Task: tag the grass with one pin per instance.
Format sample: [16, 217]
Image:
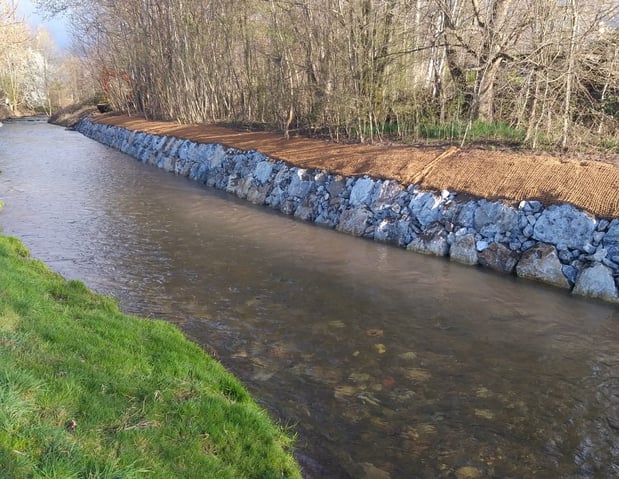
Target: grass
[479, 132]
[89, 392]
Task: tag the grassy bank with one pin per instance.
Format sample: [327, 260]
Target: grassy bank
[86, 391]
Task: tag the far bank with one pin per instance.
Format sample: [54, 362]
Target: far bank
[554, 242]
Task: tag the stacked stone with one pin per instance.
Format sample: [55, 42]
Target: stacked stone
[558, 245]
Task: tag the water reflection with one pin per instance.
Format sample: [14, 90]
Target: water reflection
[387, 363]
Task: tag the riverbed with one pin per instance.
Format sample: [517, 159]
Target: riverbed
[387, 364]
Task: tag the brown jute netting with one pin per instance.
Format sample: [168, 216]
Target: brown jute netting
[589, 185]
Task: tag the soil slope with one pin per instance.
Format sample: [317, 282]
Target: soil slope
[589, 185]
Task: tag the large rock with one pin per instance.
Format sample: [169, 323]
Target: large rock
[262, 172]
[432, 241]
[300, 183]
[216, 156]
[597, 282]
[564, 226]
[610, 241]
[426, 208]
[541, 263]
[466, 215]
[493, 217]
[386, 195]
[499, 258]
[355, 221]
[361, 192]
[463, 249]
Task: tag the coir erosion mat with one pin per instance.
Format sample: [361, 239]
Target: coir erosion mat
[496, 175]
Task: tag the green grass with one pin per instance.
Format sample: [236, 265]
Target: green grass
[479, 132]
[89, 392]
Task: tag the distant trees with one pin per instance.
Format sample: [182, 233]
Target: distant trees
[546, 70]
[33, 75]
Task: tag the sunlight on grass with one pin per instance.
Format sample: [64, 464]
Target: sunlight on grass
[86, 391]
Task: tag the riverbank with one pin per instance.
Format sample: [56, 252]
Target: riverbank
[88, 391]
[553, 242]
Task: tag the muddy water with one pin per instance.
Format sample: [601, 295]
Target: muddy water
[387, 364]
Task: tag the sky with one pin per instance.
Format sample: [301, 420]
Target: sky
[57, 26]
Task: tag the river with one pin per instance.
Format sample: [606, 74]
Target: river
[387, 364]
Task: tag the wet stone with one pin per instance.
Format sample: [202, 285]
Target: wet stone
[498, 258]
[597, 282]
[463, 249]
[433, 241]
[541, 263]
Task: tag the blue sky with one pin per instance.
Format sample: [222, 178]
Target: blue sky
[56, 26]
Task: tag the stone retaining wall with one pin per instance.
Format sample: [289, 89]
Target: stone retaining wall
[559, 245]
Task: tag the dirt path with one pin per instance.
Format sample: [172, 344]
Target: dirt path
[590, 185]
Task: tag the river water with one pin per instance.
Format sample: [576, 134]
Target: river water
[387, 364]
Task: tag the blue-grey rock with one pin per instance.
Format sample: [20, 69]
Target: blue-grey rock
[337, 186]
[426, 208]
[493, 217]
[564, 225]
[597, 237]
[528, 231]
[466, 215]
[541, 263]
[597, 282]
[257, 194]
[515, 245]
[565, 255]
[464, 249]
[386, 195]
[530, 206]
[263, 171]
[307, 210]
[405, 232]
[481, 245]
[386, 231]
[300, 183]
[603, 225]
[570, 273]
[588, 248]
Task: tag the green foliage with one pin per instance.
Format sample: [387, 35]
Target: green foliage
[479, 131]
[86, 391]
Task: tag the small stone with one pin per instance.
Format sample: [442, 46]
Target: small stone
[597, 237]
[570, 273]
[481, 245]
[565, 255]
[602, 225]
[589, 248]
[600, 254]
